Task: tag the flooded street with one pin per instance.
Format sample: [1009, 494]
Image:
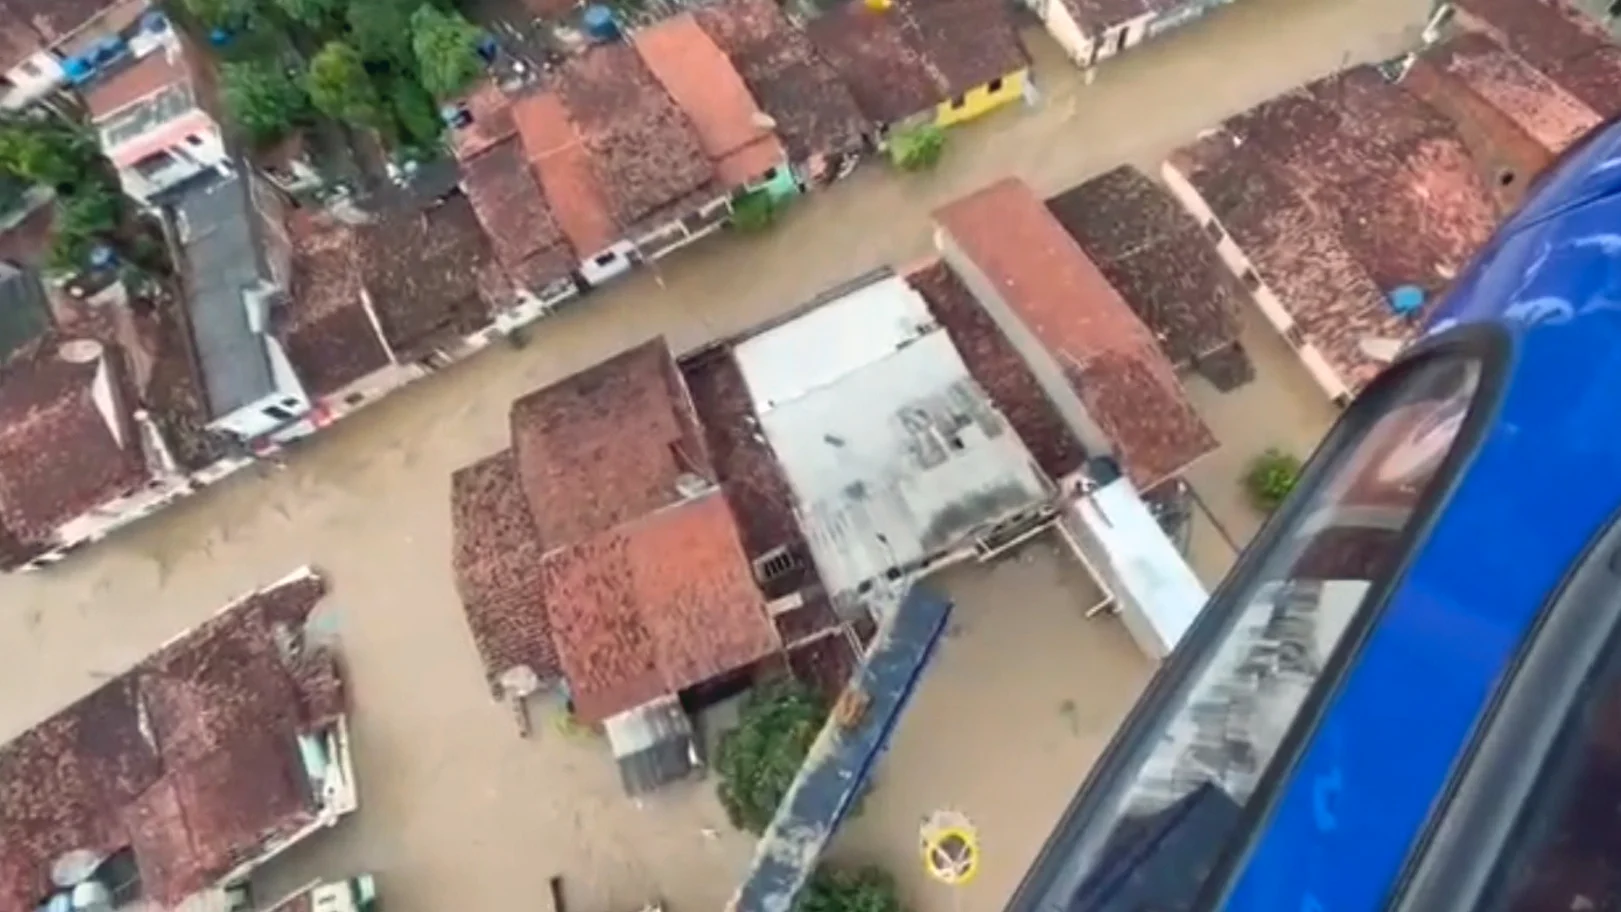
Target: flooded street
[456, 810]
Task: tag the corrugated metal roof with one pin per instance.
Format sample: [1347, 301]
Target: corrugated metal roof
[652, 744]
[842, 757]
[222, 261]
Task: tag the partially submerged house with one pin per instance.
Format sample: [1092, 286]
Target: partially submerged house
[937, 62]
[1103, 372]
[599, 555]
[1092, 31]
[1446, 141]
[170, 783]
[897, 460]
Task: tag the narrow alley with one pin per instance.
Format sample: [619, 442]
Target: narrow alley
[456, 811]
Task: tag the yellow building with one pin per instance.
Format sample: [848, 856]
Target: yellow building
[982, 99]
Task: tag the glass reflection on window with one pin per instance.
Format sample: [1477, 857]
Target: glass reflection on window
[1169, 823]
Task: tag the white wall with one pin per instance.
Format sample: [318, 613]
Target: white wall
[32, 79]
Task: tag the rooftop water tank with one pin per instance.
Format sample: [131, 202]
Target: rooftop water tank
[77, 69]
[599, 23]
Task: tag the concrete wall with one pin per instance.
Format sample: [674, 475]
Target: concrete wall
[981, 100]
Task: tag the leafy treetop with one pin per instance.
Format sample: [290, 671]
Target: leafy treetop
[864, 889]
[758, 760]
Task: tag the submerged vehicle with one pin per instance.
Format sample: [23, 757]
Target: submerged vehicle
[1407, 693]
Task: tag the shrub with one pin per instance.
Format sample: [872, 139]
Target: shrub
[917, 149]
[264, 99]
[754, 211]
[1271, 476]
[758, 760]
[865, 889]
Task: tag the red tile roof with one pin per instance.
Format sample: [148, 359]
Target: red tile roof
[1531, 100]
[654, 606]
[508, 202]
[812, 108]
[891, 78]
[1157, 257]
[60, 455]
[607, 444]
[138, 80]
[1108, 355]
[1094, 17]
[329, 336]
[996, 365]
[422, 270]
[692, 68]
[652, 166]
[492, 115]
[1556, 38]
[567, 173]
[190, 759]
[496, 556]
[969, 42]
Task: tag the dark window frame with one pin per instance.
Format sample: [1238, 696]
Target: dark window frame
[1053, 877]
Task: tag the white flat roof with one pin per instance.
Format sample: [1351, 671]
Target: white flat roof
[893, 452]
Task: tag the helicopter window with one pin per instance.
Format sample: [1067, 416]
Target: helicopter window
[1167, 801]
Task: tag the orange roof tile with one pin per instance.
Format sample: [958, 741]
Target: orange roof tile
[655, 606]
[1110, 358]
[563, 165]
[701, 79]
[145, 77]
[509, 204]
[608, 444]
[1531, 100]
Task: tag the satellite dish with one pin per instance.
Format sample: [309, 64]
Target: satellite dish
[74, 868]
[1381, 349]
[79, 351]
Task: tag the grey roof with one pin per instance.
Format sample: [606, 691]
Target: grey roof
[842, 758]
[222, 259]
[24, 313]
[652, 745]
[894, 454]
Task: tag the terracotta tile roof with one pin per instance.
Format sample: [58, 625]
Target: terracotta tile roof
[969, 42]
[731, 129]
[747, 468]
[607, 444]
[493, 122]
[1561, 41]
[190, 759]
[996, 365]
[654, 606]
[567, 173]
[329, 337]
[508, 202]
[134, 82]
[1317, 279]
[421, 271]
[496, 556]
[890, 77]
[59, 456]
[812, 108]
[1532, 101]
[1108, 355]
[1157, 257]
[651, 163]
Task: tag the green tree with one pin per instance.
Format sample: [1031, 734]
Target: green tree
[415, 111]
[323, 17]
[917, 149]
[49, 152]
[381, 31]
[340, 88]
[1271, 476]
[264, 99]
[758, 760]
[82, 220]
[446, 49]
[865, 889]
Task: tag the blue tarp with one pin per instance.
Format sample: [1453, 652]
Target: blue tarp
[842, 759]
